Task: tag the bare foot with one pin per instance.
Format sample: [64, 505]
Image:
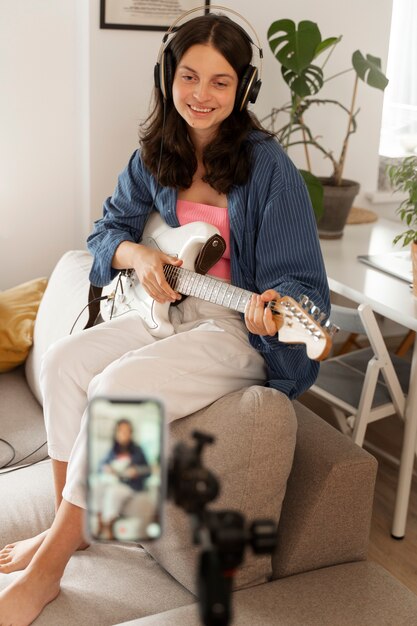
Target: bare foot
[17, 556]
[21, 603]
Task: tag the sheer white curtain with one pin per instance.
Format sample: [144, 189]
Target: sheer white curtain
[399, 118]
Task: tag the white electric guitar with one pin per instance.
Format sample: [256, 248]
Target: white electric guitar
[296, 322]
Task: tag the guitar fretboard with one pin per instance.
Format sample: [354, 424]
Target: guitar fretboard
[207, 288]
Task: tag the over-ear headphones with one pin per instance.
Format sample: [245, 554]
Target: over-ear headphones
[164, 70]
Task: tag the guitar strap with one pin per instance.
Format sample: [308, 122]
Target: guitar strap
[210, 253]
[94, 299]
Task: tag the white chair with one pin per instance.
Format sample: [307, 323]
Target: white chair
[365, 385]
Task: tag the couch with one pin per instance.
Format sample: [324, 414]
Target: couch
[274, 458]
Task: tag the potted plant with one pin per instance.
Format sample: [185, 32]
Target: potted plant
[296, 48]
[403, 177]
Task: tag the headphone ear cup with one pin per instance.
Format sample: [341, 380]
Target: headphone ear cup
[167, 72]
[248, 88]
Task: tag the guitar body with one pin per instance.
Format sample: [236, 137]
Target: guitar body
[184, 242]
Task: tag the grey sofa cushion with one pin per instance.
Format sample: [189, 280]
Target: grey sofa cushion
[327, 511]
[21, 420]
[344, 595]
[27, 502]
[106, 584]
[255, 431]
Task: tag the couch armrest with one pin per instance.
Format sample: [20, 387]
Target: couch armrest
[326, 514]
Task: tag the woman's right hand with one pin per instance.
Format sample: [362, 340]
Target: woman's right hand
[148, 264]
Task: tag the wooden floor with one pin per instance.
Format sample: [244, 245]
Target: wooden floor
[397, 556]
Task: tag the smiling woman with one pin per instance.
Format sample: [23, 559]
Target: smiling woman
[203, 157]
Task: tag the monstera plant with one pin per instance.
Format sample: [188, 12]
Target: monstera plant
[303, 56]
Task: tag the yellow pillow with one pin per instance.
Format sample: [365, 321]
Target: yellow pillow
[18, 309]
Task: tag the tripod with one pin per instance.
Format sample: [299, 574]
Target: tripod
[223, 535]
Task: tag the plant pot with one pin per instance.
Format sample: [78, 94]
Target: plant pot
[337, 202]
[414, 264]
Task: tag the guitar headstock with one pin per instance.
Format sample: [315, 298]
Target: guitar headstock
[303, 322]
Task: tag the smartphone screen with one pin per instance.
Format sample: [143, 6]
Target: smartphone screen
[126, 477]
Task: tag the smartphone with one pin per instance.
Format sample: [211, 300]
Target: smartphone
[126, 469]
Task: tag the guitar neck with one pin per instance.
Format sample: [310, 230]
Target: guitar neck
[207, 288]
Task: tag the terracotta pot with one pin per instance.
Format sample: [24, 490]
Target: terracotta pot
[414, 263]
[337, 201]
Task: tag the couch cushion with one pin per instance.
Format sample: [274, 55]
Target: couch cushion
[21, 420]
[64, 299]
[106, 584]
[27, 502]
[327, 511]
[255, 431]
[18, 308]
[344, 595]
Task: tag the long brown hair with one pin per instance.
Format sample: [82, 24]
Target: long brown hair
[227, 158]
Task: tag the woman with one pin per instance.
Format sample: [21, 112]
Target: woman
[127, 468]
[211, 161]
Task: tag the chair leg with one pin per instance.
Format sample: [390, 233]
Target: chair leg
[406, 343]
[341, 419]
[349, 344]
[365, 403]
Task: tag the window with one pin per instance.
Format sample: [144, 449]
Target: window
[399, 117]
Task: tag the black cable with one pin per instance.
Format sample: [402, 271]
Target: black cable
[15, 469]
[84, 308]
[8, 464]
[28, 455]
[13, 453]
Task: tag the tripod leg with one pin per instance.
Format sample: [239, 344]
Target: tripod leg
[214, 590]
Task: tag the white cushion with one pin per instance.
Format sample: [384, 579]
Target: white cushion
[64, 298]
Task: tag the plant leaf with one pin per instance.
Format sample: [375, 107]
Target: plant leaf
[305, 83]
[369, 70]
[315, 191]
[296, 47]
[326, 43]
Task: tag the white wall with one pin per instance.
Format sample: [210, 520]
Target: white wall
[37, 102]
[73, 96]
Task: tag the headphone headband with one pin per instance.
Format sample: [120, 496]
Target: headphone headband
[207, 8]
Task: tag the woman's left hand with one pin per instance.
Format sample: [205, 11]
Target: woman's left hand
[258, 317]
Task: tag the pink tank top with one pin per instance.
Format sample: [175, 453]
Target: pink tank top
[188, 211]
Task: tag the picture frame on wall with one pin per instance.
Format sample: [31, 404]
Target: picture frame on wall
[146, 14]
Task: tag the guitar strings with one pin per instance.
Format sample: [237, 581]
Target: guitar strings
[173, 275]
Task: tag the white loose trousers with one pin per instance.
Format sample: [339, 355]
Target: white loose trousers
[207, 357]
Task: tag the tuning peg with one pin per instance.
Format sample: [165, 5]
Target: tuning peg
[331, 328]
[315, 312]
[305, 302]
